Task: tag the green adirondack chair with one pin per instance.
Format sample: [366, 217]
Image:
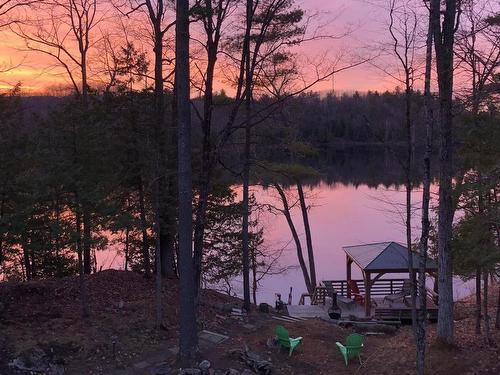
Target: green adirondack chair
[352, 348]
[286, 341]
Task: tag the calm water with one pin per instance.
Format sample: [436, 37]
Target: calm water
[341, 215]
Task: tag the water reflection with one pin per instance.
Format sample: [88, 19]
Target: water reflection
[358, 199]
[341, 215]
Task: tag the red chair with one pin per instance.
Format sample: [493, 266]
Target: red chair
[353, 287]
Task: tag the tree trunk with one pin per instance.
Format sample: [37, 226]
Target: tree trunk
[146, 262]
[158, 259]
[478, 301]
[81, 277]
[127, 243]
[206, 153]
[254, 276]
[443, 42]
[199, 232]
[420, 332]
[167, 239]
[87, 258]
[165, 218]
[188, 338]
[57, 234]
[298, 246]
[246, 166]
[167, 248]
[307, 228]
[33, 262]
[161, 216]
[497, 320]
[409, 153]
[486, 315]
[167, 214]
[26, 257]
[2, 203]
[246, 214]
[1, 251]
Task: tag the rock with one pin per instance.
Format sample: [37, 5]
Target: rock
[223, 307]
[231, 371]
[162, 369]
[212, 337]
[253, 360]
[141, 365]
[247, 372]
[55, 369]
[173, 350]
[272, 343]
[204, 365]
[190, 371]
[33, 359]
[250, 327]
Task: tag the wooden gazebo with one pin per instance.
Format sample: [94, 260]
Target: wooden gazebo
[378, 259]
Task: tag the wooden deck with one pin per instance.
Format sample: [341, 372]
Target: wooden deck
[381, 309]
[385, 310]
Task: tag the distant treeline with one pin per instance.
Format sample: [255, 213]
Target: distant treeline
[321, 119]
[371, 118]
[70, 174]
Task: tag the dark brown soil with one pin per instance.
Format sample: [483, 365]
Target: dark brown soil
[47, 314]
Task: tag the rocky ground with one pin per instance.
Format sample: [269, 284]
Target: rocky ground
[41, 328]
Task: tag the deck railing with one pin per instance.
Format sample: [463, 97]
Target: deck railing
[381, 287]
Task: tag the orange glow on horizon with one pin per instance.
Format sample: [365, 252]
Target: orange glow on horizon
[38, 72]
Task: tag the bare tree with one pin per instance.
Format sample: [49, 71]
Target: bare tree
[63, 30]
[286, 211]
[9, 10]
[307, 228]
[163, 201]
[213, 15]
[478, 52]
[267, 40]
[406, 29]
[277, 26]
[444, 25]
[157, 13]
[420, 331]
[250, 12]
[188, 337]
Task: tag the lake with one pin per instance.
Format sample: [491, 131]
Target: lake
[340, 215]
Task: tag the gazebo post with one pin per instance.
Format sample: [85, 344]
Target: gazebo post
[368, 286]
[348, 274]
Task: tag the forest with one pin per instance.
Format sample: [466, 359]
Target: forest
[171, 112]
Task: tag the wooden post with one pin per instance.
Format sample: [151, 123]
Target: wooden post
[348, 274]
[368, 286]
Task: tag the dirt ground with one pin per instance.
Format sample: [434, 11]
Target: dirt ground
[120, 332]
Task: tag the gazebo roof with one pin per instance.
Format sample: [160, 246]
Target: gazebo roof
[385, 257]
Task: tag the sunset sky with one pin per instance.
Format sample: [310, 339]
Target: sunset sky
[366, 20]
